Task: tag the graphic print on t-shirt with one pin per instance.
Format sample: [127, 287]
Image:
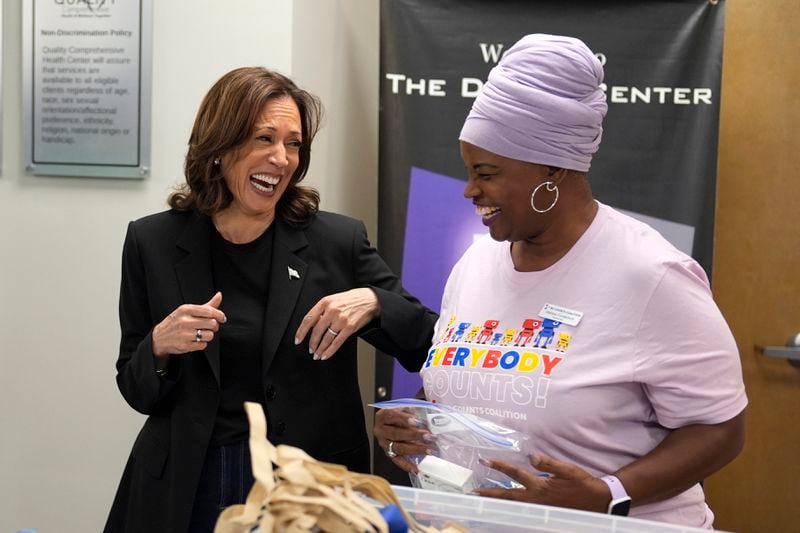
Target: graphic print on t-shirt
[501, 365]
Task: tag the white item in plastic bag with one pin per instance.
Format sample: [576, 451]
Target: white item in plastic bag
[437, 474]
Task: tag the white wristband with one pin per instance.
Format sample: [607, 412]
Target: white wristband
[620, 501]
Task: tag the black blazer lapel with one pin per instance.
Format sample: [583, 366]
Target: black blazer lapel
[286, 280]
[194, 275]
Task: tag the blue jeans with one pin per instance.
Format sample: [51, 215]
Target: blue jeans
[226, 479]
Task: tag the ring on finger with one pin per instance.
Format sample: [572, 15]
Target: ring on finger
[198, 337]
[332, 333]
[390, 451]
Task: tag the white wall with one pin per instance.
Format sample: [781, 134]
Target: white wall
[66, 431]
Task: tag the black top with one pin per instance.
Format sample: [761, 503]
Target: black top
[241, 272]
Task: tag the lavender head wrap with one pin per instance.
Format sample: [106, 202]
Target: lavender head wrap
[542, 103]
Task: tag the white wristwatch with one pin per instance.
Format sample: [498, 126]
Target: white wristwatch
[620, 503]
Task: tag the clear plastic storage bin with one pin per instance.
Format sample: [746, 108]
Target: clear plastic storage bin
[486, 515]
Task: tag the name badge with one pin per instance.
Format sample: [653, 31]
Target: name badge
[561, 314]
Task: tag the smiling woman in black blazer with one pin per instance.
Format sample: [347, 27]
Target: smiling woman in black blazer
[243, 291]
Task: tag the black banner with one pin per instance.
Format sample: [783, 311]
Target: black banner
[657, 160]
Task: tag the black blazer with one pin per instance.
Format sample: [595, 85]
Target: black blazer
[314, 405]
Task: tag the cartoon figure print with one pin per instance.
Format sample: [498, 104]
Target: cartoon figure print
[508, 337]
[473, 331]
[546, 334]
[448, 330]
[496, 338]
[563, 342]
[487, 331]
[462, 328]
[529, 326]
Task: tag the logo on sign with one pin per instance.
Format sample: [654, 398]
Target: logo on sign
[84, 8]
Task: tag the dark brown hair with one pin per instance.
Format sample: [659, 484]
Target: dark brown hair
[226, 120]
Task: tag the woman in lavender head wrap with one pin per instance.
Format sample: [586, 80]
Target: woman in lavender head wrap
[592, 334]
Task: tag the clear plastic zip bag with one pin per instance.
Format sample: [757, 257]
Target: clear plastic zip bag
[463, 443]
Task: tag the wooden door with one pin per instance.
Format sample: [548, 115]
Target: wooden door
[756, 277]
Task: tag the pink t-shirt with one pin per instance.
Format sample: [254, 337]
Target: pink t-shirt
[596, 357]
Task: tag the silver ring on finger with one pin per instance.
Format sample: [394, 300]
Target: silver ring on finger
[332, 333]
[198, 337]
[389, 451]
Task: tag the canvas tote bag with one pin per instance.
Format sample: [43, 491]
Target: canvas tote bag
[294, 493]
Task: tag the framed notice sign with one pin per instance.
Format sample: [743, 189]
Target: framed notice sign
[86, 87]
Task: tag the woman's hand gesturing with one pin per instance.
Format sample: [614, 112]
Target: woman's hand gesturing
[188, 328]
[334, 318]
